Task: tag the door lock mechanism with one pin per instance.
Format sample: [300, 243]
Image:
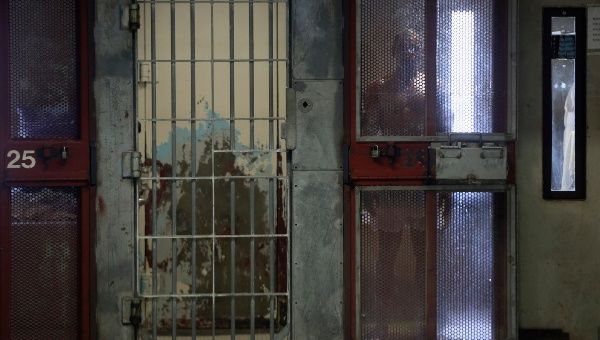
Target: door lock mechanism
[391, 152]
[47, 153]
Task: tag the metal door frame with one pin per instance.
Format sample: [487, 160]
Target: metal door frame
[79, 173]
[359, 174]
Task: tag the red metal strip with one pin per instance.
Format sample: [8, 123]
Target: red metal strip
[4, 262]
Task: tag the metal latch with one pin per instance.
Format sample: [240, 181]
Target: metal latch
[471, 163]
[131, 164]
[130, 17]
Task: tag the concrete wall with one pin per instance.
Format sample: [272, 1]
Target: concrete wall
[558, 241]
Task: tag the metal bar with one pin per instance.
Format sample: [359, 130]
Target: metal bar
[211, 120]
[219, 295]
[154, 170]
[232, 140]
[232, 256]
[212, 147]
[271, 210]
[208, 237]
[210, 177]
[212, 1]
[252, 181]
[173, 183]
[219, 60]
[193, 146]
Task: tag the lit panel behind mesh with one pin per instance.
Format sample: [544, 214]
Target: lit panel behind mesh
[44, 273]
[465, 66]
[465, 265]
[392, 280]
[44, 101]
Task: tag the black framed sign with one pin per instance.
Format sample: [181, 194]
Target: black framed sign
[564, 106]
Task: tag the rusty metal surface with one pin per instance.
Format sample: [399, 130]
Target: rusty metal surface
[113, 99]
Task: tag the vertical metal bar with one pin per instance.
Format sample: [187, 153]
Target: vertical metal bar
[136, 183]
[232, 146]
[154, 168]
[232, 75]
[431, 67]
[173, 173]
[193, 146]
[271, 212]
[232, 255]
[252, 181]
[212, 154]
[252, 261]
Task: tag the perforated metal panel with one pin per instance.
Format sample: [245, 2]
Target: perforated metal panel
[44, 273]
[392, 68]
[466, 244]
[392, 279]
[465, 46]
[44, 69]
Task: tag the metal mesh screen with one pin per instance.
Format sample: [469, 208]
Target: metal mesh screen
[392, 68]
[465, 65]
[392, 279]
[466, 237]
[44, 273]
[213, 243]
[44, 101]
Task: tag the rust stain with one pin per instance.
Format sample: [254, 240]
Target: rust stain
[101, 205]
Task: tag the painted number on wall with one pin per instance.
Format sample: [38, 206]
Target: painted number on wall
[17, 160]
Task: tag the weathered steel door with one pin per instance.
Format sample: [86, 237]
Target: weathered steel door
[429, 176]
[45, 173]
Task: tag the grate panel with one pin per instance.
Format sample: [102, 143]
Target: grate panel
[392, 280]
[213, 242]
[44, 274]
[465, 63]
[466, 275]
[392, 64]
[44, 100]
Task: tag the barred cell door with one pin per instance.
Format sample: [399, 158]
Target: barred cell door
[430, 172]
[212, 238]
[45, 173]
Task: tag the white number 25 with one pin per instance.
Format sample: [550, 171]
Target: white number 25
[27, 161]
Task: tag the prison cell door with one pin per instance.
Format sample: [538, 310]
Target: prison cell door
[428, 190]
[45, 173]
[212, 239]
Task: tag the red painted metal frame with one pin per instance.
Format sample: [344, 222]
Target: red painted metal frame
[412, 167]
[75, 172]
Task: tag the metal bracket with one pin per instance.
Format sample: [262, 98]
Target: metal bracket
[472, 163]
[130, 17]
[131, 164]
[289, 127]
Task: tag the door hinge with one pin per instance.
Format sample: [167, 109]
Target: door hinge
[288, 128]
[131, 164]
[130, 18]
